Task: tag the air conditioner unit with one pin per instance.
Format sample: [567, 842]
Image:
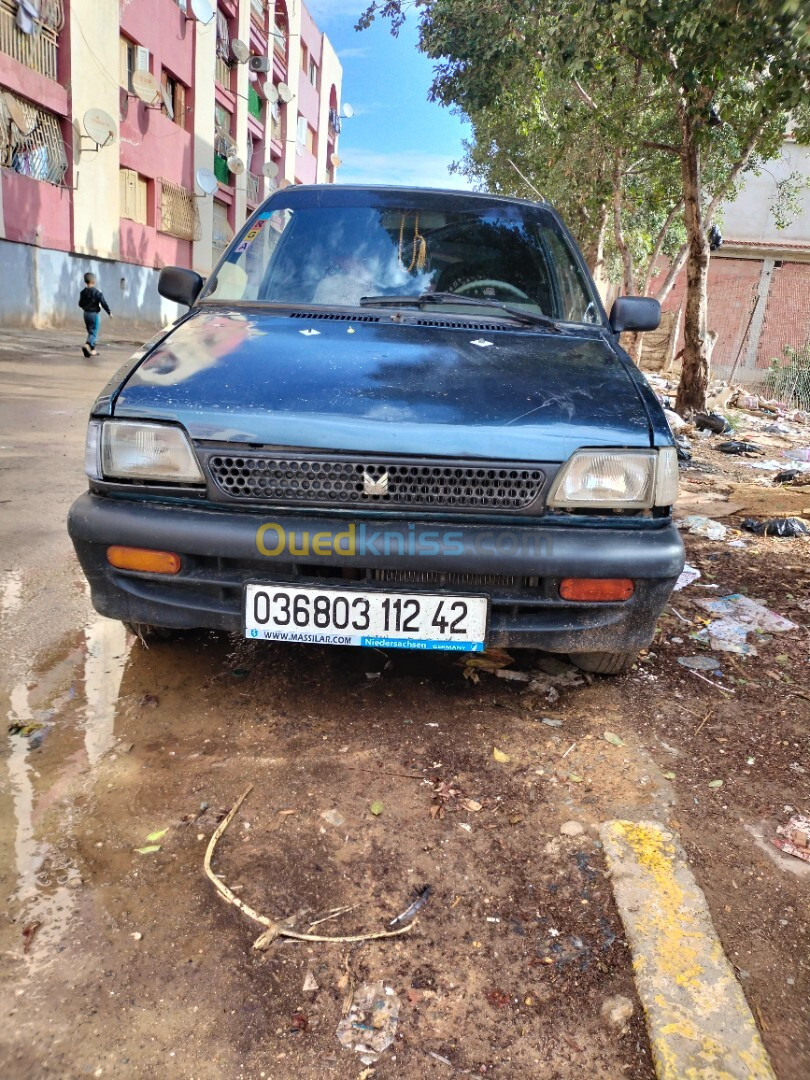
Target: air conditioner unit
[259, 63]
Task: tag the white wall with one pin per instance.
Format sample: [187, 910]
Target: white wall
[40, 287]
[749, 217]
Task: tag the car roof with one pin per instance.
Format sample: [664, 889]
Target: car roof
[400, 189]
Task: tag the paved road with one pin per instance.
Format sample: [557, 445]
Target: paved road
[126, 964]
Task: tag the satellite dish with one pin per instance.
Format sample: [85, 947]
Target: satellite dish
[167, 102]
[270, 170]
[236, 165]
[19, 115]
[271, 92]
[348, 111]
[285, 93]
[206, 181]
[146, 88]
[100, 127]
[336, 161]
[240, 50]
[202, 11]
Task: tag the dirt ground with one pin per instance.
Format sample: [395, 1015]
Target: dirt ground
[128, 964]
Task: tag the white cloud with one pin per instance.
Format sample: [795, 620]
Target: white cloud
[325, 11]
[409, 168]
[355, 53]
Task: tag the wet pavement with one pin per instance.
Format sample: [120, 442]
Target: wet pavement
[127, 964]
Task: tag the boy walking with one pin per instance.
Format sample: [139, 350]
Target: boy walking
[91, 301]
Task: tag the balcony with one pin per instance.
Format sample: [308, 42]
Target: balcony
[36, 51]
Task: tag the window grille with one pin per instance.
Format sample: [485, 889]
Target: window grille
[178, 212]
[223, 233]
[38, 50]
[36, 148]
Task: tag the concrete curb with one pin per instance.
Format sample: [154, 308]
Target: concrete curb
[699, 1023]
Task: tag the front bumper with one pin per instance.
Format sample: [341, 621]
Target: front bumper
[518, 566]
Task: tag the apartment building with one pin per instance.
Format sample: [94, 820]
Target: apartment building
[115, 118]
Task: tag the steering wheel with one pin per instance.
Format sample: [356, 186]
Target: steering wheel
[492, 283]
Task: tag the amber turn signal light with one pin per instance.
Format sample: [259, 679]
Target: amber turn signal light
[143, 559]
[576, 588]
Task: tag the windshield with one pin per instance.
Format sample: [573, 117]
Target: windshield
[334, 255]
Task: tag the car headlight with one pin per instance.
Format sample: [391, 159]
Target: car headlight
[135, 450]
[617, 480]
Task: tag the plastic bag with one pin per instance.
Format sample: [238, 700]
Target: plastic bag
[785, 527]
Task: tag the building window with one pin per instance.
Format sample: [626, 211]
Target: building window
[132, 58]
[223, 233]
[37, 50]
[223, 60]
[174, 98]
[134, 194]
[313, 73]
[304, 57]
[178, 212]
[31, 140]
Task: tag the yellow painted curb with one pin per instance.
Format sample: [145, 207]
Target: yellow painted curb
[699, 1023]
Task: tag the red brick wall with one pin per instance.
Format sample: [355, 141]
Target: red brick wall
[787, 316]
[733, 285]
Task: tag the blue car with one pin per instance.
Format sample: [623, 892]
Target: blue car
[391, 417]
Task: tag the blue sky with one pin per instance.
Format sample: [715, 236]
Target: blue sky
[396, 135]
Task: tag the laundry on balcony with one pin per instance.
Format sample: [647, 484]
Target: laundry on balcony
[31, 140]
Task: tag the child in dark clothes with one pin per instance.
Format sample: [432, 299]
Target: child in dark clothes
[91, 301]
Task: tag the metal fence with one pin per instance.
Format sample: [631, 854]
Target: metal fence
[178, 212]
[31, 140]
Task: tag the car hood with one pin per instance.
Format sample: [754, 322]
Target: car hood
[377, 385]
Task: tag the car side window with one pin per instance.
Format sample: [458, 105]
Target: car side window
[573, 291]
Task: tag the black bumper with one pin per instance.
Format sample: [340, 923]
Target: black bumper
[518, 567]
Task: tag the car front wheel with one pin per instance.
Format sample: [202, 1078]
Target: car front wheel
[604, 663]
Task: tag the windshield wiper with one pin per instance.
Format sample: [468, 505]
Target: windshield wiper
[453, 298]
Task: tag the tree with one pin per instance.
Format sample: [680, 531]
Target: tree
[723, 78]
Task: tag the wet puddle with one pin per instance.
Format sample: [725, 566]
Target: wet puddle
[60, 723]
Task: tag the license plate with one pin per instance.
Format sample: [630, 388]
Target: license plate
[354, 617]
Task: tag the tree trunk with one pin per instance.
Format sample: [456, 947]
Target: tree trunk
[595, 254]
[618, 230]
[691, 395]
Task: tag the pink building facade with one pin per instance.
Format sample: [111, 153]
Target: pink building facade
[246, 90]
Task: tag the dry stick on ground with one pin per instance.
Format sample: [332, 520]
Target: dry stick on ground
[274, 928]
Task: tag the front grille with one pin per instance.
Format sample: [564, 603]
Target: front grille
[437, 577]
[261, 477]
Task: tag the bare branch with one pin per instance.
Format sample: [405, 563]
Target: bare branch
[667, 147]
[585, 96]
[674, 270]
[739, 165]
[659, 243]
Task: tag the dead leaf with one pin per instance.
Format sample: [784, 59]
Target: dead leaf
[472, 805]
[376, 808]
[715, 783]
[575, 778]
[153, 836]
[500, 756]
[614, 740]
[149, 849]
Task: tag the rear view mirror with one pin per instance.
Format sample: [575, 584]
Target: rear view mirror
[635, 313]
[182, 286]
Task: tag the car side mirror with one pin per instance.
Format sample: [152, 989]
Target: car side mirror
[638, 313]
[182, 286]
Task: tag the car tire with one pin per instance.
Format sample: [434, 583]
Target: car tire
[146, 632]
[604, 663]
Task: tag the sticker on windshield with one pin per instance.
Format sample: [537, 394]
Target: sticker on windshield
[252, 233]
